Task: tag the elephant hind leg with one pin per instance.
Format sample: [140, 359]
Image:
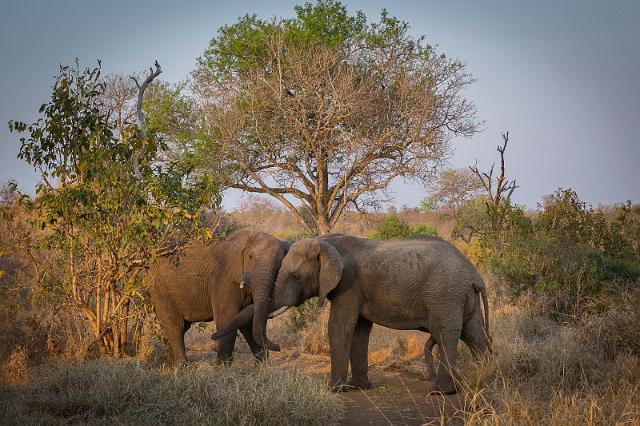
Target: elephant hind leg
[447, 341]
[430, 369]
[173, 326]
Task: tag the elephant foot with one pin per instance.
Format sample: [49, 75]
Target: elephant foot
[339, 385]
[178, 364]
[273, 346]
[359, 384]
[262, 356]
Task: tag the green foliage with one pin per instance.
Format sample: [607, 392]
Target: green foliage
[392, 227]
[107, 223]
[493, 224]
[568, 257]
[301, 316]
[243, 47]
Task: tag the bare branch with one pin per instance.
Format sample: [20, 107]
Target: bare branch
[140, 114]
[504, 187]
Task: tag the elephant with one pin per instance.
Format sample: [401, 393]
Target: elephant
[417, 283]
[204, 283]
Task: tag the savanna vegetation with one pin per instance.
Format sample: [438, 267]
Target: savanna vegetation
[314, 115]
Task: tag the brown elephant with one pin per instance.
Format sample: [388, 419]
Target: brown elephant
[203, 284]
[418, 283]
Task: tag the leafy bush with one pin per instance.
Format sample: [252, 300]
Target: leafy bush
[392, 227]
[568, 257]
[110, 202]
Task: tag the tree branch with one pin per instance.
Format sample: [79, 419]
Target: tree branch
[140, 114]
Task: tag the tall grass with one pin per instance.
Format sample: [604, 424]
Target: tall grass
[125, 392]
[545, 373]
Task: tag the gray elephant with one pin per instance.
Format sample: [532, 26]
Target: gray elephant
[418, 283]
[203, 284]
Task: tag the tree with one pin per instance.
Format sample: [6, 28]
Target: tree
[108, 204]
[503, 188]
[498, 193]
[452, 189]
[322, 111]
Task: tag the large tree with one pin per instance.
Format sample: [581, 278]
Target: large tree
[322, 111]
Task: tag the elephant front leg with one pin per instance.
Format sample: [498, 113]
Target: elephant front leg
[342, 323]
[359, 352]
[226, 343]
[259, 353]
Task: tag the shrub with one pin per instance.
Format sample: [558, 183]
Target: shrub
[16, 368]
[567, 258]
[301, 316]
[541, 372]
[392, 227]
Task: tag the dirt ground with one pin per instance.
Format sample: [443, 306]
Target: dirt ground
[400, 394]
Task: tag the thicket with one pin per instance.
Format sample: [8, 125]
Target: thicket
[568, 257]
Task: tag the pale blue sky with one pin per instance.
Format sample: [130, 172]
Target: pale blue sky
[561, 76]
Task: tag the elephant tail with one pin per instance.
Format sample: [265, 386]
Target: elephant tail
[485, 304]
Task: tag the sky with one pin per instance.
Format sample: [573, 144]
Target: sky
[563, 77]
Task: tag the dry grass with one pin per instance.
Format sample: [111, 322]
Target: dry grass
[125, 392]
[314, 338]
[545, 373]
[15, 370]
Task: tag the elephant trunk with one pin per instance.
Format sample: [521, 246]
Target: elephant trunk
[261, 293]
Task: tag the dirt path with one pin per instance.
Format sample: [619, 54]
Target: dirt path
[397, 398]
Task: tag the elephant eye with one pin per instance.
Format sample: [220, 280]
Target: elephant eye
[295, 277]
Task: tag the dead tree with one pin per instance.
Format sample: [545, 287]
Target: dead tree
[498, 189]
[503, 187]
[140, 114]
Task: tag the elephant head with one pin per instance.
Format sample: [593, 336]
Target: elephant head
[261, 257]
[310, 268]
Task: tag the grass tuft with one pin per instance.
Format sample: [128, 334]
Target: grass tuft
[126, 392]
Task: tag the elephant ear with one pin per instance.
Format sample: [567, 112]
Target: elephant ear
[244, 237]
[330, 270]
[240, 241]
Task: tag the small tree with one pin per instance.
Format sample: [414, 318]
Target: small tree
[322, 111]
[106, 204]
[451, 190]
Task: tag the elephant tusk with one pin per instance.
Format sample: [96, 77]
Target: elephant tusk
[278, 312]
[242, 284]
